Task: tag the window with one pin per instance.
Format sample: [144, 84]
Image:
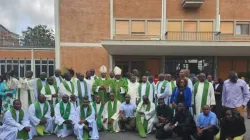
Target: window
[242, 28]
[154, 27]
[122, 27]
[174, 30]
[138, 27]
[227, 28]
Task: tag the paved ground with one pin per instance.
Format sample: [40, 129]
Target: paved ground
[129, 135]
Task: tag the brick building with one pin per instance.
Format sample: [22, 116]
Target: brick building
[156, 35]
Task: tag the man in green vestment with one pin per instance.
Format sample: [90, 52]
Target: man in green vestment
[99, 107]
[41, 82]
[83, 89]
[172, 84]
[16, 124]
[101, 85]
[111, 75]
[118, 86]
[57, 78]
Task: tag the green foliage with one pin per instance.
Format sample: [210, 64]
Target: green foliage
[40, 35]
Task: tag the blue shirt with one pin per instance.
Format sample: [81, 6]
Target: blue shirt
[205, 121]
[128, 109]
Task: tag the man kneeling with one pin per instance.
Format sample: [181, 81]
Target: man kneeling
[16, 123]
[40, 117]
[85, 124]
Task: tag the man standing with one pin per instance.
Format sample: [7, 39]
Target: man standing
[136, 74]
[152, 83]
[64, 116]
[93, 76]
[101, 85]
[145, 116]
[118, 86]
[41, 82]
[57, 78]
[133, 89]
[172, 84]
[127, 114]
[210, 79]
[235, 93]
[89, 81]
[112, 75]
[111, 114]
[40, 117]
[128, 77]
[16, 123]
[26, 90]
[203, 94]
[145, 88]
[83, 89]
[72, 76]
[184, 73]
[99, 107]
[84, 124]
[67, 87]
[162, 89]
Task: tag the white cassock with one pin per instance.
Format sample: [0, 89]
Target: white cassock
[90, 82]
[10, 127]
[149, 115]
[24, 86]
[49, 97]
[35, 121]
[132, 91]
[58, 82]
[115, 117]
[62, 90]
[165, 94]
[59, 121]
[78, 128]
[143, 92]
[198, 98]
[83, 91]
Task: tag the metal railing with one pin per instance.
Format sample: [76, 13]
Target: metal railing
[192, 1]
[15, 43]
[171, 35]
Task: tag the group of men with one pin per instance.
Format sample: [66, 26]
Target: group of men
[84, 105]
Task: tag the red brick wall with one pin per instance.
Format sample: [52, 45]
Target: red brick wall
[235, 9]
[21, 54]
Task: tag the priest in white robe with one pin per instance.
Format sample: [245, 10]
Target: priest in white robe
[90, 81]
[68, 88]
[57, 78]
[152, 83]
[40, 83]
[145, 88]
[111, 114]
[40, 117]
[82, 88]
[98, 107]
[133, 89]
[85, 124]
[16, 124]
[64, 117]
[162, 89]
[203, 94]
[145, 116]
[172, 85]
[26, 90]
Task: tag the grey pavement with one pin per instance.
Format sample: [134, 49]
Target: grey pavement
[129, 135]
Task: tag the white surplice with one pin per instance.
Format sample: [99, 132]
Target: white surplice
[62, 90]
[132, 91]
[165, 94]
[90, 82]
[78, 128]
[58, 82]
[35, 121]
[115, 117]
[199, 94]
[10, 127]
[83, 90]
[49, 97]
[24, 86]
[143, 92]
[59, 121]
[149, 115]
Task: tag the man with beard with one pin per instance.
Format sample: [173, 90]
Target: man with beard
[162, 89]
[145, 88]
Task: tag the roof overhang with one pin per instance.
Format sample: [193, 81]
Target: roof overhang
[188, 48]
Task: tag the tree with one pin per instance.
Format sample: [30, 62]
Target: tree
[40, 35]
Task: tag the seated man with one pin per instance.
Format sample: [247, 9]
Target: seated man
[206, 124]
[64, 116]
[98, 107]
[40, 117]
[85, 125]
[16, 123]
[145, 116]
[182, 124]
[127, 114]
[232, 126]
[164, 117]
[111, 114]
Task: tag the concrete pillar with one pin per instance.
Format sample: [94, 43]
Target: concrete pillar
[57, 33]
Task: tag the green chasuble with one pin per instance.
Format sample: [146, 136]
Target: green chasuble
[79, 89]
[21, 134]
[102, 92]
[98, 114]
[116, 85]
[204, 94]
[147, 91]
[72, 91]
[65, 113]
[83, 117]
[163, 86]
[39, 115]
[39, 86]
[142, 127]
[48, 92]
[29, 96]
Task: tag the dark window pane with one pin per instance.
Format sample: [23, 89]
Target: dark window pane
[51, 61]
[28, 61]
[2, 61]
[9, 61]
[28, 67]
[9, 67]
[21, 61]
[2, 69]
[21, 70]
[37, 61]
[44, 68]
[44, 61]
[37, 69]
[51, 70]
[15, 61]
[15, 68]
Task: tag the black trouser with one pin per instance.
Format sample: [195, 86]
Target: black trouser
[208, 134]
[184, 131]
[248, 104]
[160, 133]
